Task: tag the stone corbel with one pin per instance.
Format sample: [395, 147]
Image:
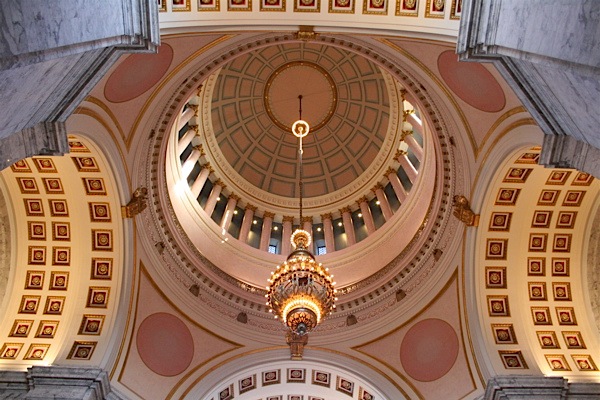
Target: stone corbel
[137, 204]
[463, 212]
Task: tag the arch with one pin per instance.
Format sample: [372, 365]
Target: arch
[321, 374]
[526, 289]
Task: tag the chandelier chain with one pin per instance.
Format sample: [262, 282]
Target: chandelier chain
[301, 291]
[300, 151]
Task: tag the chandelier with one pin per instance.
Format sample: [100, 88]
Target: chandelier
[301, 291]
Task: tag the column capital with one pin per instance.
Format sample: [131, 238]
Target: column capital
[391, 170]
[288, 218]
[234, 197]
[362, 200]
[405, 133]
[250, 207]
[307, 219]
[406, 113]
[326, 216]
[200, 148]
[400, 153]
[268, 214]
[344, 210]
[208, 167]
[195, 108]
[375, 188]
[220, 183]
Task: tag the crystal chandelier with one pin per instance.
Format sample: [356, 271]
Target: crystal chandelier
[301, 291]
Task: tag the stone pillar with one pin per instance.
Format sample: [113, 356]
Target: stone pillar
[526, 387]
[561, 151]
[189, 163]
[348, 226]
[383, 201]
[307, 224]
[68, 383]
[265, 234]
[201, 179]
[406, 165]
[536, 387]
[64, 65]
[247, 222]
[229, 209]
[286, 234]
[186, 139]
[328, 232]
[363, 203]
[415, 123]
[392, 175]
[212, 198]
[187, 115]
[549, 68]
[407, 136]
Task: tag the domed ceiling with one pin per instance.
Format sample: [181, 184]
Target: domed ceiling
[345, 101]
[367, 153]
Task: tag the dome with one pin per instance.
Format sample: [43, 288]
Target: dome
[371, 164]
[254, 102]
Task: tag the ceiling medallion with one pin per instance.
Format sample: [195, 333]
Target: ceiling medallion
[320, 93]
[301, 291]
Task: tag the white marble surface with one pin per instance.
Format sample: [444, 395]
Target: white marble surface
[66, 383]
[593, 270]
[571, 99]
[539, 387]
[52, 52]
[32, 27]
[549, 51]
[24, 91]
[562, 30]
[5, 249]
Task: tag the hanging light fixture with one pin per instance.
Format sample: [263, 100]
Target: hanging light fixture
[301, 291]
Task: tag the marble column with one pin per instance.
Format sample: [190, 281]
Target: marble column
[406, 165]
[68, 383]
[218, 186]
[187, 115]
[201, 179]
[407, 135]
[327, 220]
[523, 387]
[247, 222]
[52, 57]
[551, 67]
[561, 151]
[415, 123]
[383, 201]
[229, 209]
[186, 139]
[392, 175]
[286, 234]
[348, 226]
[265, 234]
[307, 224]
[363, 203]
[189, 163]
